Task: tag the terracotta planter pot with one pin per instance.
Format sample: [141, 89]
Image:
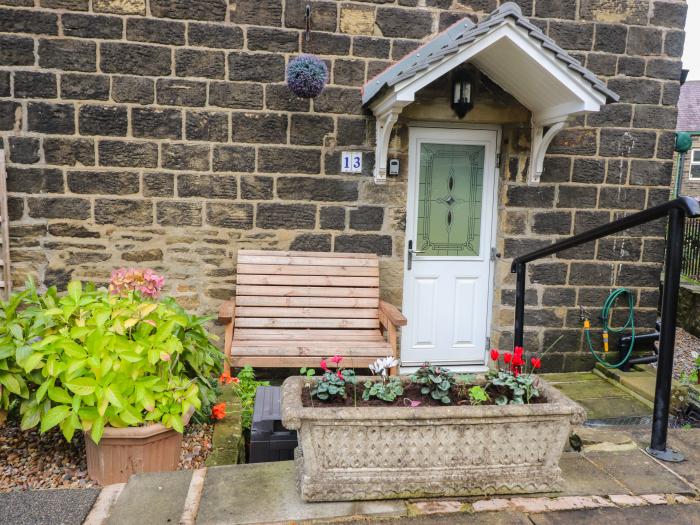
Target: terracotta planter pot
[126, 451]
[399, 452]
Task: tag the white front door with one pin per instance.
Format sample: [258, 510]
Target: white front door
[450, 225]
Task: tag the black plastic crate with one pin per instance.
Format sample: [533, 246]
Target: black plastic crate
[269, 440]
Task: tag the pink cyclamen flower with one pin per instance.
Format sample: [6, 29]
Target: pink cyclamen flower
[323, 364]
[340, 375]
[337, 359]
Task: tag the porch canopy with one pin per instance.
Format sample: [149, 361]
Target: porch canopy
[515, 54]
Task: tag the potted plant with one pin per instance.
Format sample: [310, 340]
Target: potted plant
[430, 434]
[125, 368]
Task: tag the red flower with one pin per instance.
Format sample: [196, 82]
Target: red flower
[337, 359]
[536, 362]
[507, 357]
[340, 375]
[225, 378]
[516, 372]
[494, 354]
[518, 351]
[518, 360]
[218, 411]
[235, 380]
[324, 365]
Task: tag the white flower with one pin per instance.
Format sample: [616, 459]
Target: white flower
[381, 365]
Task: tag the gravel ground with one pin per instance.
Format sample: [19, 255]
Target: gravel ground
[683, 359]
[29, 460]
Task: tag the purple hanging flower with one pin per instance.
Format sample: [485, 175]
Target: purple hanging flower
[306, 76]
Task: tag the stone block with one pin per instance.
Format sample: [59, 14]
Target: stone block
[236, 216]
[128, 154]
[530, 196]
[51, 118]
[551, 223]
[326, 44]
[264, 128]
[257, 12]
[34, 180]
[28, 21]
[311, 242]
[271, 216]
[255, 187]
[179, 213]
[548, 273]
[371, 47]
[332, 217]
[619, 249]
[367, 218]
[654, 117]
[324, 15]
[627, 143]
[273, 39]
[198, 63]
[630, 66]
[673, 43]
[572, 35]
[121, 7]
[357, 19]
[214, 35]
[11, 116]
[84, 87]
[256, 67]
[155, 31]
[33, 84]
[103, 182]
[68, 54]
[69, 152]
[589, 171]
[181, 92]
[590, 273]
[16, 51]
[207, 186]
[669, 14]
[651, 173]
[644, 41]
[611, 38]
[314, 189]
[622, 198]
[156, 123]
[403, 23]
[349, 72]
[124, 212]
[278, 97]
[58, 208]
[239, 95]
[158, 184]
[24, 150]
[289, 160]
[234, 158]
[135, 59]
[207, 126]
[364, 243]
[185, 157]
[103, 120]
[92, 26]
[133, 89]
[310, 130]
[199, 10]
[339, 100]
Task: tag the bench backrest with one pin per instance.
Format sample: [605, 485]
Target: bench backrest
[306, 293]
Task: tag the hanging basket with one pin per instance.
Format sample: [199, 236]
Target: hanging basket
[306, 76]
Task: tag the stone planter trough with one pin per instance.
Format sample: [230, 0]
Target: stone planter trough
[399, 452]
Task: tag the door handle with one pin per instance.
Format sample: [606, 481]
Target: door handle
[411, 253]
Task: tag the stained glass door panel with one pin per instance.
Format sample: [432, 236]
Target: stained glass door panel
[450, 189]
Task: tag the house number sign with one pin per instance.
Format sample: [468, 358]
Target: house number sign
[351, 162]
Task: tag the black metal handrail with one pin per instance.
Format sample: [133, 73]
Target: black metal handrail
[691, 250]
[676, 211]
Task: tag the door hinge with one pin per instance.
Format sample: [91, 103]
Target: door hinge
[493, 253]
[498, 160]
[488, 343]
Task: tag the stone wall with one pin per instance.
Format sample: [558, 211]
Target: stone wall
[161, 133]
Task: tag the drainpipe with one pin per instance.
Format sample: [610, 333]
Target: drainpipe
[684, 142]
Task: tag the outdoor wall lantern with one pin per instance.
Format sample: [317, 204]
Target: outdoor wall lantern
[461, 93]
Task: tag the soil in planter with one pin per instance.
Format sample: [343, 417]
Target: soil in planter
[411, 392]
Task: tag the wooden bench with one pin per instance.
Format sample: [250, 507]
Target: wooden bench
[293, 308]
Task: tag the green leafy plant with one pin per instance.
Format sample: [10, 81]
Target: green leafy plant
[478, 395]
[387, 390]
[435, 382]
[308, 372]
[245, 389]
[15, 329]
[331, 385]
[92, 358]
[522, 387]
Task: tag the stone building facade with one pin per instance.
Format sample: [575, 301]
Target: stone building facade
[161, 133]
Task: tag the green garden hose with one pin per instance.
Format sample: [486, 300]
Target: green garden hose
[605, 315]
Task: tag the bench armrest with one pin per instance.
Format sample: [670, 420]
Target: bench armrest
[227, 311]
[392, 313]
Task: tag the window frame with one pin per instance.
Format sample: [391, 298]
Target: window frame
[694, 162]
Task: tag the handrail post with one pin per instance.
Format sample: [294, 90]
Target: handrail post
[667, 340]
[519, 305]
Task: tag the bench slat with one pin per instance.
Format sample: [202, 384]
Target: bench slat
[304, 291]
[296, 362]
[307, 334]
[288, 269]
[312, 350]
[310, 322]
[302, 260]
[276, 312]
[337, 302]
[308, 280]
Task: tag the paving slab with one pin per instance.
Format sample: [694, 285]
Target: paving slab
[648, 515]
[639, 473]
[152, 498]
[584, 478]
[47, 507]
[267, 493]
[591, 390]
[613, 407]
[480, 518]
[569, 377]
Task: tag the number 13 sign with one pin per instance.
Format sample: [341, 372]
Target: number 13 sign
[351, 162]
